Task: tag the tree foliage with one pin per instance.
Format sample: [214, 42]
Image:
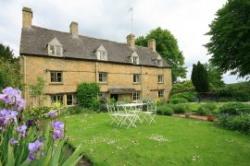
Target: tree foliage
[214, 76]
[230, 37]
[200, 78]
[167, 46]
[9, 68]
[6, 54]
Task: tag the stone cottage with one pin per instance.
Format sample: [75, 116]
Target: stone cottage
[124, 71]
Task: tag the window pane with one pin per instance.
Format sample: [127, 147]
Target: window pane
[56, 76]
[103, 77]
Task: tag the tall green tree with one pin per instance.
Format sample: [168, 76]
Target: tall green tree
[9, 68]
[230, 37]
[214, 76]
[167, 46]
[200, 78]
[6, 54]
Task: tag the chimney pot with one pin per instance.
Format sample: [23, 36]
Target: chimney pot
[131, 40]
[74, 29]
[27, 17]
[152, 45]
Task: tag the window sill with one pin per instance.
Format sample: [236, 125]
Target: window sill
[136, 83]
[56, 83]
[103, 83]
[160, 82]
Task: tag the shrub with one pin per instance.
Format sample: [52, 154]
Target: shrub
[180, 108]
[87, 94]
[234, 109]
[177, 100]
[185, 86]
[206, 109]
[236, 122]
[238, 91]
[189, 96]
[37, 112]
[235, 116]
[165, 110]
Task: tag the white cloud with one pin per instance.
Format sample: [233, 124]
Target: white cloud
[110, 19]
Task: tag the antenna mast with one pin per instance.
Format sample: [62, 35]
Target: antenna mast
[131, 10]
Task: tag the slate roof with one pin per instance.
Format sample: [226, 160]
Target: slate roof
[35, 39]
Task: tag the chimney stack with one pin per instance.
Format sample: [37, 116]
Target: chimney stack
[74, 29]
[131, 40]
[27, 17]
[152, 45]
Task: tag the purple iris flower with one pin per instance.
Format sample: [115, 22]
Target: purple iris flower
[34, 148]
[22, 130]
[58, 130]
[53, 114]
[58, 125]
[6, 117]
[13, 97]
[13, 141]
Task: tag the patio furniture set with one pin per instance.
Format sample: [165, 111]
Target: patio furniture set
[130, 114]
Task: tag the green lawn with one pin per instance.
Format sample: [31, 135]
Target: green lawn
[170, 141]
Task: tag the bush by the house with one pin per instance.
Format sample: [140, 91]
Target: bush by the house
[37, 112]
[177, 100]
[87, 95]
[165, 110]
[206, 109]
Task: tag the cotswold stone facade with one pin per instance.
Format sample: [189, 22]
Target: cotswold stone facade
[124, 71]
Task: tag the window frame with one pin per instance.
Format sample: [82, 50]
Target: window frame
[136, 78]
[161, 93]
[56, 99]
[160, 78]
[100, 77]
[55, 80]
[136, 96]
[73, 99]
[55, 50]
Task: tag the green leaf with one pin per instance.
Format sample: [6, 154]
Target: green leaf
[74, 158]
[57, 152]
[11, 159]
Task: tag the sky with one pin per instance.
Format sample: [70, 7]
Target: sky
[188, 21]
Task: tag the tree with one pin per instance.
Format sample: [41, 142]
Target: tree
[9, 68]
[36, 90]
[214, 76]
[167, 47]
[10, 74]
[6, 54]
[200, 78]
[230, 38]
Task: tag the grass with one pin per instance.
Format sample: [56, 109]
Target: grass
[169, 141]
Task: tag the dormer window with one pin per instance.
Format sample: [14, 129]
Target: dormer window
[135, 58]
[159, 61]
[101, 53]
[55, 48]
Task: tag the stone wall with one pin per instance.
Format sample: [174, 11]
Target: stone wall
[77, 71]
